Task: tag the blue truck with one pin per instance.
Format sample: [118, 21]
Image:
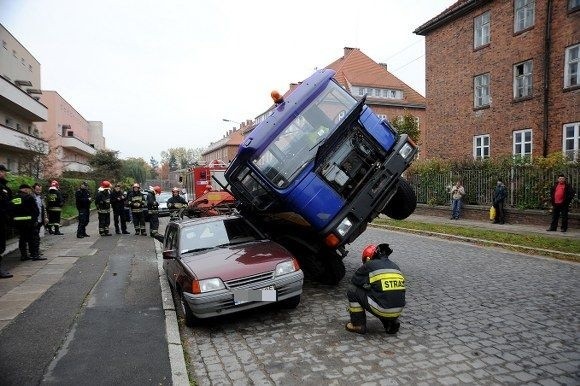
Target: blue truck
[317, 170]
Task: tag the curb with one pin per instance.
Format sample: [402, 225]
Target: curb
[179, 375]
[574, 257]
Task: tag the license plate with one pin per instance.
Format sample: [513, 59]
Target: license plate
[267, 294]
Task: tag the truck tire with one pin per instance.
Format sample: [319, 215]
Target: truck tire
[403, 203]
[290, 303]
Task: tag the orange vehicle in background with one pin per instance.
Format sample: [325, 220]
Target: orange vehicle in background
[206, 196]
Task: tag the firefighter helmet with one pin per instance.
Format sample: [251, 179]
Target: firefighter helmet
[105, 184]
[157, 189]
[369, 252]
[136, 185]
[176, 189]
[54, 184]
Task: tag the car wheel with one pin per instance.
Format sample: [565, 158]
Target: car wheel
[403, 203]
[188, 317]
[290, 302]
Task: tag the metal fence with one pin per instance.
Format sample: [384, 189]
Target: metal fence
[528, 187]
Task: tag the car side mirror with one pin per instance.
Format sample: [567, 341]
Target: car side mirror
[159, 237]
[169, 254]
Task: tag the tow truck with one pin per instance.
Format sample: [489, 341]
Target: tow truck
[317, 170]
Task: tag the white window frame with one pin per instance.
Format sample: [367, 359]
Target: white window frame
[522, 142]
[572, 66]
[573, 153]
[481, 143]
[482, 29]
[523, 79]
[524, 14]
[481, 94]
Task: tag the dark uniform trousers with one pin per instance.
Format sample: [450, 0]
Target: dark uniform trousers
[153, 222]
[119, 217]
[83, 221]
[54, 218]
[29, 240]
[104, 221]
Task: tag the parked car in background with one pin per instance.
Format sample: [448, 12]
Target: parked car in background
[162, 200]
[223, 264]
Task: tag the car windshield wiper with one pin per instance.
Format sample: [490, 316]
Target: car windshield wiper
[196, 250]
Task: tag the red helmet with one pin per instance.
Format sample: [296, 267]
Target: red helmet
[369, 252]
[105, 184]
[54, 184]
[157, 189]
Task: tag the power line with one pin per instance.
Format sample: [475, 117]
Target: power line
[406, 64]
[398, 52]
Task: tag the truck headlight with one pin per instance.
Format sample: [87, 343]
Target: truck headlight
[207, 285]
[344, 227]
[285, 267]
[406, 150]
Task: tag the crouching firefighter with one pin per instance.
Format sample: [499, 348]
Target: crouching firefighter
[153, 207]
[103, 203]
[378, 287]
[54, 203]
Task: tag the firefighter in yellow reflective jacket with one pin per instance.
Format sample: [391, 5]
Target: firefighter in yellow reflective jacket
[103, 204]
[378, 287]
[175, 203]
[138, 204]
[153, 208]
[54, 203]
[25, 215]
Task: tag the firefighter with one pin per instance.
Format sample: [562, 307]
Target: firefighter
[25, 215]
[137, 203]
[5, 199]
[118, 199]
[378, 287]
[175, 203]
[83, 203]
[54, 203]
[103, 204]
[153, 207]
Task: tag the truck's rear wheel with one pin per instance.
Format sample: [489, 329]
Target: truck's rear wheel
[403, 203]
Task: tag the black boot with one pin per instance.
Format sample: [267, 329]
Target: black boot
[57, 230]
[391, 325]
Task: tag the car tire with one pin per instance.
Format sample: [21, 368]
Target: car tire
[188, 317]
[403, 203]
[290, 303]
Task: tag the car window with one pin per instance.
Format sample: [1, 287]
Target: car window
[216, 233]
[170, 238]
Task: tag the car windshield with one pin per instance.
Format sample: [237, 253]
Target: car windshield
[216, 234]
[163, 197]
[298, 143]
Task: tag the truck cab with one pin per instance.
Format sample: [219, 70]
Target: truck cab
[318, 169]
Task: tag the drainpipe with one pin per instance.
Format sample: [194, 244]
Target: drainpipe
[546, 69]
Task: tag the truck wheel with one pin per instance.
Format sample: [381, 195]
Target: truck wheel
[334, 270]
[403, 203]
[290, 303]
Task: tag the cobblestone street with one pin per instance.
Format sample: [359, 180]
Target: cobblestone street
[474, 316]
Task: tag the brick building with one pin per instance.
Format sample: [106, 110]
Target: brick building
[502, 78]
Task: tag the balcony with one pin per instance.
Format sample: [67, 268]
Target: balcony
[75, 166]
[18, 102]
[76, 145]
[17, 141]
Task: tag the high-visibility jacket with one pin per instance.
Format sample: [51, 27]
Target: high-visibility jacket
[135, 201]
[24, 209]
[103, 201]
[54, 200]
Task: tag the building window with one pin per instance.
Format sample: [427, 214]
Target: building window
[523, 143]
[523, 80]
[571, 141]
[481, 90]
[573, 5]
[361, 91]
[572, 66]
[4, 44]
[481, 146]
[524, 13]
[481, 30]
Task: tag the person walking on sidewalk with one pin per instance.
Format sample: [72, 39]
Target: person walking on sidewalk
[137, 204]
[118, 199]
[561, 196]
[83, 203]
[499, 196]
[378, 287]
[5, 199]
[103, 204]
[25, 217]
[457, 193]
[54, 203]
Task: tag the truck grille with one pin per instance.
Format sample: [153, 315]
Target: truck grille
[249, 280]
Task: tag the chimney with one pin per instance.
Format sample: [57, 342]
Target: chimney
[347, 50]
[384, 65]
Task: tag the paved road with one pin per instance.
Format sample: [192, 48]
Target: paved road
[474, 316]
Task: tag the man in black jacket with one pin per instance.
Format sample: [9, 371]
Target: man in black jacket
[378, 287]
[83, 203]
[561, 196]
[118, 199]
[5, 199]
[25, 216]
[498, 198]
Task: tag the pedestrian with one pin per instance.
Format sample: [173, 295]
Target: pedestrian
[54, 203]
[378, 287]
[499, 196]
[137, 203]
[25, 216]
[42, 218]
[561, 196]
[457, 193]
[153, 208]
[5, 199]
[103, 204]
[175, 203]
[118, 199]
[83, 203]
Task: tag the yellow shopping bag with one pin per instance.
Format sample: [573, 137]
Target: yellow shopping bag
[492, 213]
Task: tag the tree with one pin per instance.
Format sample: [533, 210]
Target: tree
[153, 173]
[106, 165]
[164, 171]
[180, 157]
[136, 169]
[39, 160]
[407, 124]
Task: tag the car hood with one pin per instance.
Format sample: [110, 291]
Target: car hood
[237, 261]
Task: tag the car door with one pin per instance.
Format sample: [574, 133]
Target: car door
[170, 243]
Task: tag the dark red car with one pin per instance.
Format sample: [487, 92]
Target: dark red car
[220, 265]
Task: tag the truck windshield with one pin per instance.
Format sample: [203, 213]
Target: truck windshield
[296, 145]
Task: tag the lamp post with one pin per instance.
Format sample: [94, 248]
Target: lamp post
[229, 120]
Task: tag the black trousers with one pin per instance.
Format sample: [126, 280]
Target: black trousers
[53, 218]
[83, 221]
[29, 238]
[138, 220]
[119, 217]
[499, 213]
[104, 222]
[560, 210]
[153, 222]
[359, 303]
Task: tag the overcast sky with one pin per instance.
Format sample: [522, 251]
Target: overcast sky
[162, 74]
